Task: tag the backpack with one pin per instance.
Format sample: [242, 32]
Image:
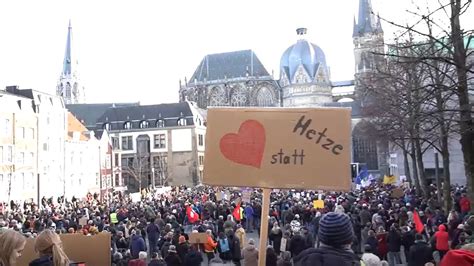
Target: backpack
[224, 245]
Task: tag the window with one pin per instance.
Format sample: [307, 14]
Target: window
[160, 123]
[144, 124]
[9, 158]
[127, 143]
[201, 140]
[5, 127]
[115, 143]
[106, 126]
[1, 155]
[116, 159]
[264, 97]
[23, 181]
[117, 180]
[201, 159]
[21, 158]
[108, 161]
[182, 121]
[31, 133]
[29, 158]
[160, 141]
[127, 125]
[20, 132]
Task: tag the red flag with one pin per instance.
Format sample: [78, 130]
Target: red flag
[418, 224]
[192, 215]
[236, 213]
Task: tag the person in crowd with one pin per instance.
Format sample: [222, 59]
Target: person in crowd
[153, 234]
[223, 247]
[394, 241]
[12, 244]
[210, 246]
[183, 247]
[240, 233]
[459, 257]
[49, 246]
[250, 254]
[137, 244]
[275, 237]
[156, 260]
[272, 257]
[441, 240]
[369, 258]
[336, 235]
[235, 250]
[420, 252]
[382, 243]
[285, 259]
[172, 259]
[193, 257]
[141, 261]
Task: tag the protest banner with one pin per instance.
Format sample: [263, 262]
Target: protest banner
[198, 238]
[318, 204]
[91, 250]
[277, 148]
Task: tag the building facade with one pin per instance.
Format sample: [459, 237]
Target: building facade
[51, 134]
[18, 148]
[155, 145]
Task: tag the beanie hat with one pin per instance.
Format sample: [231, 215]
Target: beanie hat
[172, 249]
[335, 229]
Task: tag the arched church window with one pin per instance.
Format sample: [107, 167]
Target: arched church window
[264, 97]
[75, 92]
[217, 97]
[127, 125]
[160, 123]
[238, 97]
[144, 124]
[68, 90]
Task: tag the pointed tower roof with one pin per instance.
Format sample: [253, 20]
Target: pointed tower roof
[67, 64]
[367, 22]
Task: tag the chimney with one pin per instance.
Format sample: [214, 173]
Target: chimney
[301, 31]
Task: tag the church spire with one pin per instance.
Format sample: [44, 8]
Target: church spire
[69, 86]
[367, 22]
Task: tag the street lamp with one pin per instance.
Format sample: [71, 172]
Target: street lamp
[153, 177]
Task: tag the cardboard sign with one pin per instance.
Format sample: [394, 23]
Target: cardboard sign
[92, 250]
[389, 179]
[198, 238]
[398, 193]
[318, 204]
[246, 195]
[83, 221]
[136, 197]
[278, 148]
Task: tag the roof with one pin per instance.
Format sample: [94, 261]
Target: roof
[367, 22]
[89, 113]
[342, 83]
[74, 125]
[229, 65]
[170, 113]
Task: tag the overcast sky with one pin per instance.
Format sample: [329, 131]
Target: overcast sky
[138, 50]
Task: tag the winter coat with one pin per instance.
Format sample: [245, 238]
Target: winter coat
[137, 262]
[157, 263]
[394, 241]
[182, 250]
[173, 259]
[297, 244]
[235, 247]
[136, 245]
[326, 256]
[192, 258]
[210, 245]
[43, 261]
[153, 232]
[442, 238]
[420, 253]
[458, 258]
[275, 237]
[250, 256]
[240, 233]
[272, 259]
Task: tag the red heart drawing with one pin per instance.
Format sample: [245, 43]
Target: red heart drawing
[247, 146]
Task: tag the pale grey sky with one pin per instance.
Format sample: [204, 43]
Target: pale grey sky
[138, 50]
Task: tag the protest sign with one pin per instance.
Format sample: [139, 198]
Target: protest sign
[318, 204]
[301, 148]
[83, 221]
[398, 193]
[135, 197]
[198, 238]
[92, 250]
[246, 195]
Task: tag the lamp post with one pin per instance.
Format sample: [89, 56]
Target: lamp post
[438, 181]
[153, 177]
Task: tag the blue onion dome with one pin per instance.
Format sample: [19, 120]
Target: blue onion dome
[303, 53]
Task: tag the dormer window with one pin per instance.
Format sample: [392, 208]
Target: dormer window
[160, 123]
[106, 126]
[182, 121]
[127, 125]
[144, 124]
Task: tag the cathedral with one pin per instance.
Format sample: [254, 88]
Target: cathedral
[239, 79]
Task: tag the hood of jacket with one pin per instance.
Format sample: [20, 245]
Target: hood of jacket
[442, 228]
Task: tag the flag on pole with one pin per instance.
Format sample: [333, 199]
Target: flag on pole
[363, 175]
[418, 224]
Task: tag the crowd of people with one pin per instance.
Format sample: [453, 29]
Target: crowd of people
[369, 226]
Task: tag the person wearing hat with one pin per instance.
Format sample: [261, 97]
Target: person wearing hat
[172, 259]
[336, 235]
[420, 253]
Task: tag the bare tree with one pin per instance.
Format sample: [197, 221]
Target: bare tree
[137, 167]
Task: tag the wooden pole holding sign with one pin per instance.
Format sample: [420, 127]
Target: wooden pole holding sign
[262, 250]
